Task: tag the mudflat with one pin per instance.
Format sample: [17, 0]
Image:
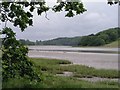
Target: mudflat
[91, 59]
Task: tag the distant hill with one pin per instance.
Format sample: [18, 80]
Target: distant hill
[63, 41]
[101, 38]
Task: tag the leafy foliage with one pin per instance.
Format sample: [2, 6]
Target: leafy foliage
[15, 12]
[14, 58]
[70, 7]
[20, 14]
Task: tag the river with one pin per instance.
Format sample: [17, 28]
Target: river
[100, 58]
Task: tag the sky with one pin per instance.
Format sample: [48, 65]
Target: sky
[98, 17]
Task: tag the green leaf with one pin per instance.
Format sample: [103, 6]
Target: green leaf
[11, 14]
[43, 8]
[3, 17]
[32, 8]
[69, 14]
[26, 4]
[29, 14]
[12, 7]
[39, 11]
[6, 4]
[30, 22]
[16, 22]
[111, 3]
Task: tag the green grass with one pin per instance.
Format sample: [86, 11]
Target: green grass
[84, 71]
[70, 82]
[50, 67]
[113, 44]
[38, 61]
[51, 81]
[54, 67]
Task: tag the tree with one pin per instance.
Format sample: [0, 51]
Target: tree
[109, 35]
[14, 57]
[105, 37]
[91, 41]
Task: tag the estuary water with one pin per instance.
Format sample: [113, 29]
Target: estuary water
[100, 58]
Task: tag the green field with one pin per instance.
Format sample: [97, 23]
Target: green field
[113, 44]
[48, 68]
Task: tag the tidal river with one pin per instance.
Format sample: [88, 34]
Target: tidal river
[100, 58]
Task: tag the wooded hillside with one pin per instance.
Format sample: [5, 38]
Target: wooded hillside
[98, 39]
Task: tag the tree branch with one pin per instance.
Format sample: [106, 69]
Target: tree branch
[46, 16]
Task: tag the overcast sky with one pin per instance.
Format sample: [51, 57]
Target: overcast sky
[98, 17]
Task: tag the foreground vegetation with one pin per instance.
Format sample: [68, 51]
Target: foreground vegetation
[51, 81]
[55, 67]
[50, 68]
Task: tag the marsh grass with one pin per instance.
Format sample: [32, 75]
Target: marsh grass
[51, 81]
[48, 68]
[55, 67]
[71, 82]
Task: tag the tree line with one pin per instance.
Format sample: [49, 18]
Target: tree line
[101, 38]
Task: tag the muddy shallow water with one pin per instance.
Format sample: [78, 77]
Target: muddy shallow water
[73, 54]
